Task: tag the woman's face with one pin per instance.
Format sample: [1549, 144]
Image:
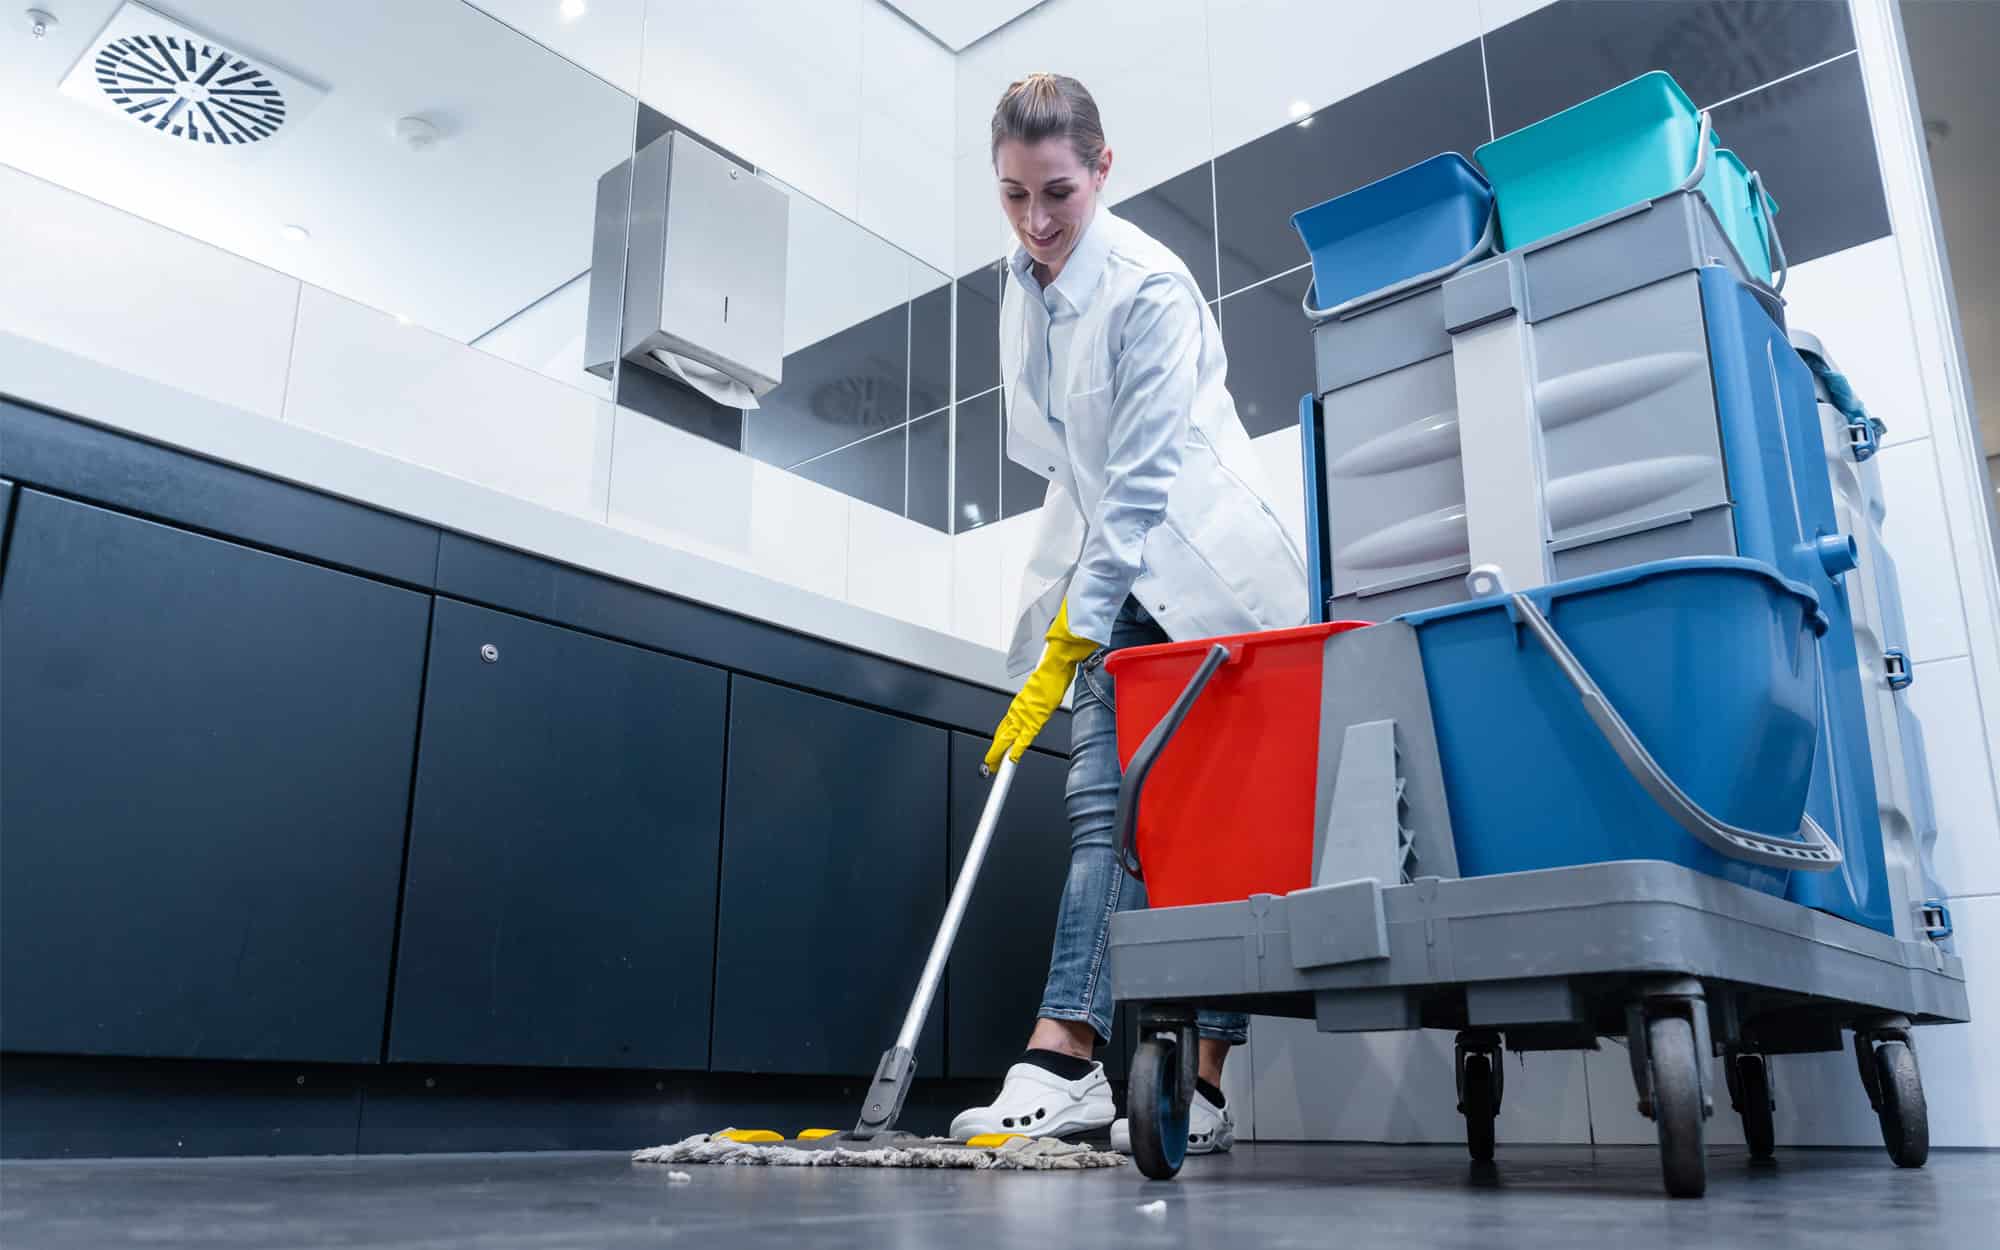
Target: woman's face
[1048, 195]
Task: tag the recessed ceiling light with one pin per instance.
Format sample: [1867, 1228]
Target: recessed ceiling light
[402, 320]
[572, 9]
[295, 234]
[1300, 108]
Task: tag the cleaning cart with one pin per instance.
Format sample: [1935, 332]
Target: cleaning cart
[1592, 753]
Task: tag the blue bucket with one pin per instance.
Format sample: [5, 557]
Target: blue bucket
[1416, 221]
[1711, 661]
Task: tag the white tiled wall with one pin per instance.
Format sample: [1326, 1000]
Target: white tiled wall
[686, 491]
[1945, 698]
[978, 559]
[89, 279]
[898, 567]
[364, 377]
[1854, 302]
[1916, 535]
[843, 99]
[1399, 1087]
[1494, 14]
[1285, 477]
[547, 337]
[1267, 58]
[1961, 1081]
[904, 184]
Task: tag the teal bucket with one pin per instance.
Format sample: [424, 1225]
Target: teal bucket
[1745, 210]
[1634, 143]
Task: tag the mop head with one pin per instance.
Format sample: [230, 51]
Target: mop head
[1020, 1154]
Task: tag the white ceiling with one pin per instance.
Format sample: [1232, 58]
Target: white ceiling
[958, 24]
[1952, 47]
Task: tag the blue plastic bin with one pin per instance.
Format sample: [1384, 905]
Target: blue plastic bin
[1416, 221]
[1768, 412]
[1713, 662]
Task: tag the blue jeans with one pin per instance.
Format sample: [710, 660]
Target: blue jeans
[1079, 985]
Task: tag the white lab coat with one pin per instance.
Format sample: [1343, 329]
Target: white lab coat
[1202, 550]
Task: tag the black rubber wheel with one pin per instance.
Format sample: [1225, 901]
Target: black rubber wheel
[1753, 1083]
[1677, 1109]
[1476, 1103]
[1906, 1126]
[1159, 1119]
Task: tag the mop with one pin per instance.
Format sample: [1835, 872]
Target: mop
[874, 1141]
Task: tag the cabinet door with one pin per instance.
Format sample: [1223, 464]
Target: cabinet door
[208, 753]
[833, 882]
[999, 968]
[560, 900]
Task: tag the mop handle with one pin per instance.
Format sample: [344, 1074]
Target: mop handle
[954, 912]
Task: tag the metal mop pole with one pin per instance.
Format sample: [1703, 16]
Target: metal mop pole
[891, 1085]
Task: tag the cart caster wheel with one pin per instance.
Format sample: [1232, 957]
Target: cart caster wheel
[1906, 1128]
[1476, 1102]
[1753, 1077]
[1158, 1115]
[1677, 1109]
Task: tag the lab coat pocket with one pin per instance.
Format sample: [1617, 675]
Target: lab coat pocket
[1244, 544]
[1184, 591]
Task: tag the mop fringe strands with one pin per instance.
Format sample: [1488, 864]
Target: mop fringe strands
[1016, 1154]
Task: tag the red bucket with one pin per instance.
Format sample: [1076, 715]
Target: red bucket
[1228, 809]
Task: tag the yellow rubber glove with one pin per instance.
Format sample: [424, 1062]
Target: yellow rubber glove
[1042, 693]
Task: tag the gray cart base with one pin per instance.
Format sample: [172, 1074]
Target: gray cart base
[1680, 964]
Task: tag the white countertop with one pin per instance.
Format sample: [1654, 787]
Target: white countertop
[36, 373]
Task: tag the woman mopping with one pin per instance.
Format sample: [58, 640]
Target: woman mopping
[1156, 527]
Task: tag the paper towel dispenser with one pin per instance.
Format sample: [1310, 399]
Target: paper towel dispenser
[688, 261]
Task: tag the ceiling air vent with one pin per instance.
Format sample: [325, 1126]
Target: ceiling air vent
[183, 85]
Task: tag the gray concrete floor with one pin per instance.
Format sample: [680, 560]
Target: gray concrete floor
[1261, 1196]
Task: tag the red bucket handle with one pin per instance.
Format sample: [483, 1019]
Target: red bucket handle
[1148, 754]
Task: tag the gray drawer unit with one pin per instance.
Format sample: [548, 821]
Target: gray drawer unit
[1621, 388]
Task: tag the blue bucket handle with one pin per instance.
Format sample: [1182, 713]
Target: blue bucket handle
[1479, 249]
[1766, 220]
[1812, 852]
[1701, 145]
[1769, 222]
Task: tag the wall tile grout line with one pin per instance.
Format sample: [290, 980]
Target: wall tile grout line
[1783, 78]
[800, 464]
[951, 406]
[1214, 196]
[1302, 265]
[291, 353]
[611, 456]
[909, 348]
[1485, 75]
[1943, 659]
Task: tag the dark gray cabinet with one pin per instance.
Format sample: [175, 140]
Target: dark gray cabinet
[833, 882]
[559, 907]
[207, 766]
